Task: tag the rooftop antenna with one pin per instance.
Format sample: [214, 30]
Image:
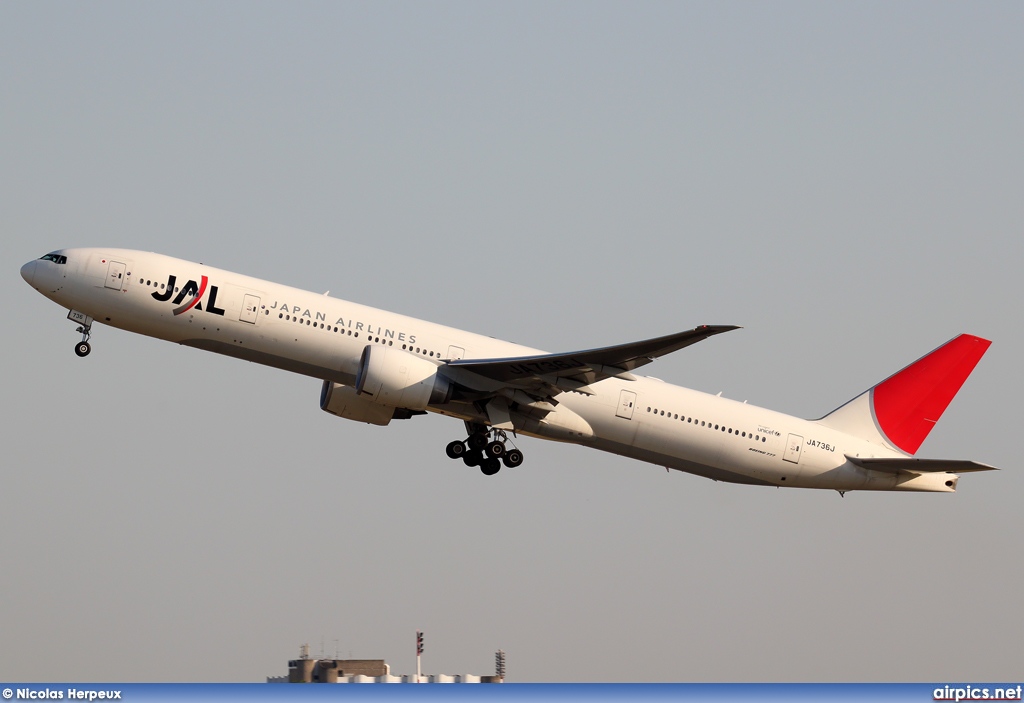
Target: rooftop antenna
[304, 651]
[419, 653]
[499, 664]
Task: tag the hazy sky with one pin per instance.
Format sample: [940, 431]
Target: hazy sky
[844, 180]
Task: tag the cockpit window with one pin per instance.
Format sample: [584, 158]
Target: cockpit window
[55, 258]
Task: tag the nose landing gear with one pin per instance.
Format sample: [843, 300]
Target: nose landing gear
[485, 448]
[83, 348]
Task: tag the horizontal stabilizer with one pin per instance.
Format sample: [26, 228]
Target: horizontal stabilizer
[920, 466]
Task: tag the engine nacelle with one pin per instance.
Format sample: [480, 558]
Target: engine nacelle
[343, 401]
[398, 379]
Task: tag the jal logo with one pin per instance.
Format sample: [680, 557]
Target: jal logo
[193, 289]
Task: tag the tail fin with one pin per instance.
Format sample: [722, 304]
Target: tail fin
[900, 411]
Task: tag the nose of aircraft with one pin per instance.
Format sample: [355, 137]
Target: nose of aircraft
[28, 271]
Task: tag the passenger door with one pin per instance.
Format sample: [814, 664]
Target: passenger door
[250, 309]
[793, 446]
[115, 275]
[627, 400]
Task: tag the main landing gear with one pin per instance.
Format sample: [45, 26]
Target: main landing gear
[83, 348]
[485, 448]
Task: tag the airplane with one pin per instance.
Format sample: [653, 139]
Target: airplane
[378, 366]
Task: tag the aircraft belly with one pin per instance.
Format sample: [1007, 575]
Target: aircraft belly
[676, 440]
[674, 462]
[306, 368]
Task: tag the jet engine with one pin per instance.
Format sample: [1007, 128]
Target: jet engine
[343, 401]
[398, 379]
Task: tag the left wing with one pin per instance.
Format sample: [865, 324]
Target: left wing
[547, 375]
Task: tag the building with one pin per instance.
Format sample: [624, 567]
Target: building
[307, 670]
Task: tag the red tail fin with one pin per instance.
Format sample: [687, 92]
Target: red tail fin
[901, 410]
[909, 403]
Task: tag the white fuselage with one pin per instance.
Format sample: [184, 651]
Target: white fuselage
[324, 337]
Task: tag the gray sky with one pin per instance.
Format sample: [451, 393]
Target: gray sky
[842, 180]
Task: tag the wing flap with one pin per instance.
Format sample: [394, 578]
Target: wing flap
[543, 371]
[919, 466]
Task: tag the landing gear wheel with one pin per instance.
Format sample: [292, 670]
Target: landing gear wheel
[472, 458]
[477, 440]
[512, 458]
[83, 348]
[455, 450]
[490, 466]
[495, 449]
